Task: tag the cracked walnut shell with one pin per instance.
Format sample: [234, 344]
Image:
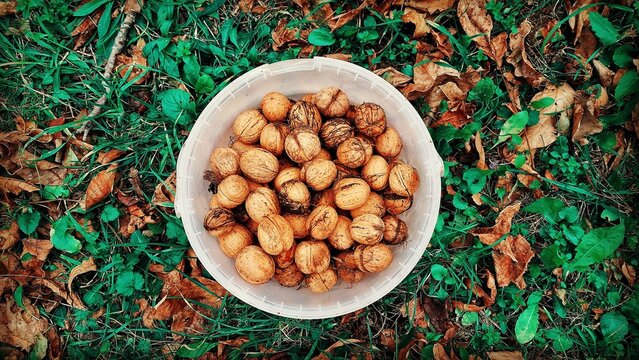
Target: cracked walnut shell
[321, 282]
[367, 229]
[321, 222]
[275, 234]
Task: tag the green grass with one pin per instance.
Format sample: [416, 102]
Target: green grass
[44, 78]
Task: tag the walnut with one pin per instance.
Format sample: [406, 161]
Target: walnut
[259, 165]
[305, 114]
[344, 172]
[289, 276]
[370, 119]
[261, 202]
[395, 230]
[351, 193]
[319, 174]
[403, 179]
[273, 137]
[373, 205]
[324, 155]
[275, 234]
[389, 144]
[248, 126]
[219, 221]
[312, 257]
[354, 152]
[275, 106]
[294, 196]
[285, 258]
[289, 173]
[336, 131]
[373, 258]
[241, 147]
[396, 204]
[347, 259]
[376, 172]
[321, 282]
[254, 265]
[367, 229]
[347, 268]
[302, 145]
[321, 222]
[331, 102]
[340, 238]
[326, 197]
[232, 191]
[235, 240]
[298, 223]
[224, 162]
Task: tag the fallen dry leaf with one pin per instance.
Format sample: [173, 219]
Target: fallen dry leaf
[585, 121]
[629, 273]
[100, 186]
[164, 193]
[9, 236]
[519, 59]
[21, 328]
[246, 5]
[431, 6]
[134, 63]
[393, 76]
[136, 218]
[488, 300]
[489, 235]
[419, 20]
[337, 21]
[8, 7]
[481, 163]
[305, 5]
[83, 32]
[605, 74]
[340, 56]
[426, 74]
[511, 258]
[498, 47]
[15, 186]
[84, 267]
[284, 37]
[108, 157]
[133, 6]
[415, 312]
[475, 21]
[325, 355]
[458, 115]
[439, 353]
[387, 338]
[36, 247]
[544, 132]
[505, 355]
[439, 319]
[578, 22]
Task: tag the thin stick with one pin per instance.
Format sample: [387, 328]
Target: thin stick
[131, 10]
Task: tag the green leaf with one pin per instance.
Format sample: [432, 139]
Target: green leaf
[204, 84]
[603, 28]
[627, 85]
[597, 245]
[513, 126]
[614, 327]
[18, 296]
[28, 221]
[89, 7]
[321, 37]
[128, 282]
[191, 69]
[623, 56]
[527, 324]
[483, 91]
[175, 230]
[109, 213]
[175, 103]
[196, 350]
[438, 272]
[562, 344]
[476, 179]
[548, 207]
[62, 238]
[54, 192]
[542, 103]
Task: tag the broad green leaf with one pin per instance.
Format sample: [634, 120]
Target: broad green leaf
[603, 28]
[548, 207]
[18, 296]
[191, 69]
[128, 282]
[534, 299]
[614, 327]
[562, 344]
[469, 318]
[527, 324]
[623, 56]
[483, 91]
[627, 85]
[542, 103]
[109, 213]
[28, 221]
[550, 256]
[62, 238]
[224, 31]
[513, 126]
[89, 7]
[597, 245]
[476, 179]
[175, 102]
[204, 84]
[321, 37]
[438, 272]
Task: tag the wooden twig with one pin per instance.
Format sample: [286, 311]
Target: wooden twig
[131, 10]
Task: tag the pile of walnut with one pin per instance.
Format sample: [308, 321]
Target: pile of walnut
[318, 183]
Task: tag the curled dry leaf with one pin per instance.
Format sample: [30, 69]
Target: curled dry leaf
[136, 218]
[505, 355]
[387, 338]
[38, 248]
[503, 223]
[629, 273]
[431, 6]
[414, 311]
[511, 258]
[109, 156]
[475, 21]
[426, 74]
[578, 22]
[21, 327]
[100, 186]
[585, 113]
[339, 56]
[438, 315]
[246, 5]
[84, 267]
[481, 163]
[134, 63]
[337, 21]
[605, 74]
[284, 37]
[86, 28]
[419, 20]
[544, 132]
[15, 186]
[325, 355]
[9, 236]
[393, 76]
[165, 192]
[458, 114]
[439, 353]
[519, 59]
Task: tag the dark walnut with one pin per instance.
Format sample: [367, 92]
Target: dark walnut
[304, 113]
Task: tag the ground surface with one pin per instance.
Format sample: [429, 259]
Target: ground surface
[533, 107]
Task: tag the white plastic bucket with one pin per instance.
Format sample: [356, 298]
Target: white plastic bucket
[295, 78]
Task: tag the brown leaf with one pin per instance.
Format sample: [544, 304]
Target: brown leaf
[100, 186]
[165, 192]
[133, 6]
[431, 6]
[9, 237]
[109, 156]
[246, 5]
[304, 4]
[337, 21]
[136, 218]
[419, 20]
[585, 122]
[511, 258]
[439, 319]
[21, 328]
[340, 56]
[15, 186]
[578, 22]
[439, 353]
[605, 75]
[54, 351]
[393, 76]
[426, 74]
[457, 117]
[505, 355]
[134, 63]
[544, 132]
[38, 248]
[498, 47]
[284, 37]
[7, 7]
[415, 312]
[489, 235]
[84, 267]
[475, 21]
[629, 273]
[325, 353]
[519, 59]
[83, 32]
[481, 163]
[387, 338]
